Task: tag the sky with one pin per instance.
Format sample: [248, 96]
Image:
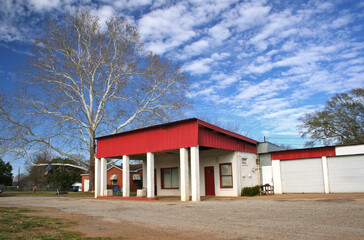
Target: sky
[261, 64]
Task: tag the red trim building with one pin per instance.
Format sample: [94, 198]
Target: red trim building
[188, 145]
[115, 177]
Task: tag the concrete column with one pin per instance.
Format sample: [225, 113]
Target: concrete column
[150, 175]
[185, 195]
[97, 177]
[144, 173]
[277, 178]
[326, 174]
[126, 176]
[195, 174]
[237, 174]
[103, 177]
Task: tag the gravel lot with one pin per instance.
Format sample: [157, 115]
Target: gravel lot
[249, 218]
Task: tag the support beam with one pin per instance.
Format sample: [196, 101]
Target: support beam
[185, 195]
[126, 176]
[277, 178]
[150, 175]
[144, 173]
[103, 177]
[195, 174]
[326, 174]
[97, 177]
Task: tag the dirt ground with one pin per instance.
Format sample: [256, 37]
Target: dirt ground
[294, 216]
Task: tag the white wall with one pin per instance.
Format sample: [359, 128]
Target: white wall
[212, 158]
[249, 172]
[349, 150]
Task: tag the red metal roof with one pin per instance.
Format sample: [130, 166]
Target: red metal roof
[181, 134]
[303, 153]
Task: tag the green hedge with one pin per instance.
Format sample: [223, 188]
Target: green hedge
[250, 191]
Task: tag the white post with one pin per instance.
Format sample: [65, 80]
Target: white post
[103, 177]
[195, 174]
[150, 175]
[126, 176]
[237, 174]
[326, 174]
[144, 173]
[97, 177]
[185, 195]
[277, 178]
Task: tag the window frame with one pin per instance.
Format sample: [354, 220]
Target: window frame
[162, 177]
[231, 169]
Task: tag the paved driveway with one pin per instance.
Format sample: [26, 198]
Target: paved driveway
[249, 218]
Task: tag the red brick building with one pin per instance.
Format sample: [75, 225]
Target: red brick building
[115, 177]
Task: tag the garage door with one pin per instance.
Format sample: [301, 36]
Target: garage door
[302, 176]
[346, 174]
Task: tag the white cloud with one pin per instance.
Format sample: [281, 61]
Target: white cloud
[198, 67]
[41, 5]
[196, 47]
[219, 32]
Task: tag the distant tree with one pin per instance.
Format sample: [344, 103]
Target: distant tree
[61, 176]
[6, 175]
[84, 79]
[340, 122]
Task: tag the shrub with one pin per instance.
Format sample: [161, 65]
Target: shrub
[250, 191]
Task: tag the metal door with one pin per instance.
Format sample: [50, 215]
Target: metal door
[302, 176]
[209, 181]
[346, 173]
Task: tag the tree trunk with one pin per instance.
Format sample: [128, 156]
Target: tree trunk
[91, 169]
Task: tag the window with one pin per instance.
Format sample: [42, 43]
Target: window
[226, 176]
[114, 182]
[170, 178]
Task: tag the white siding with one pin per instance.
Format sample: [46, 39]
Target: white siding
[302, 176]
[346, 173]
[349, 150]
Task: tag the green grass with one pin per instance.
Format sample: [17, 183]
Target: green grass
[16, 224]
[45, 194]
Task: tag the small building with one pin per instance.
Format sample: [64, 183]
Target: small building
[184, 158]
[331, 169]
[115, 177]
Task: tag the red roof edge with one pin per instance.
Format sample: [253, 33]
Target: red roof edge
[150, 127]
[232, 134]
[303, 153]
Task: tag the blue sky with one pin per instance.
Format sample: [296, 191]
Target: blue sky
[259, 63]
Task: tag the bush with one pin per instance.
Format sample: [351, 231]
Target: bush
[250, 191]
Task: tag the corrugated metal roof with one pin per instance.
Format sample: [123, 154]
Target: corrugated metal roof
[303, 153]
[181, 134]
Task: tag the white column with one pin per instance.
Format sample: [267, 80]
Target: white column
[326, 174]
[195, 174]
[277, 179]
[103, 177]
[126, 176]
[237, 174]
[144, 173]
[97, 177]
[150, 175]
[185, 195]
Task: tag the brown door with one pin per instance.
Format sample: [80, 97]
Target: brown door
[209, 181]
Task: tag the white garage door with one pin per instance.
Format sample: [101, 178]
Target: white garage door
[346, 174]
[302, 176]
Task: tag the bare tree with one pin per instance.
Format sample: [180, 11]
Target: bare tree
[341, 121]
[87, 79]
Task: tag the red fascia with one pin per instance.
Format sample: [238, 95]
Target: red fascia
[303, 153]
[226, 132]
[163, 137]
